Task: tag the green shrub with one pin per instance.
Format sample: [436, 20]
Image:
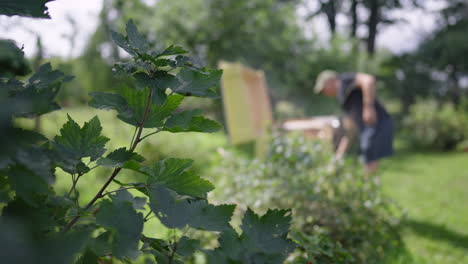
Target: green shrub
[328, 198]
[39, 224]
[431, 125]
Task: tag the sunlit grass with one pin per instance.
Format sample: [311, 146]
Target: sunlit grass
[432, 187]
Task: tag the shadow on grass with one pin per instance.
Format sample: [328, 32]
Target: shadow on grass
[437, 232]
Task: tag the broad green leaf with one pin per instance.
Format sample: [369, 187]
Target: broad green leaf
[27, 184]
[125, 225]
[269, 232]
[75, 143]
[38, 95]
[45, 77]
[125, 196]
[16, 245]
[122, 42]
[202, 83]
[110, 101]
[37, 161]
[12, 58]
[131, 107]
[27, 8]
[142, 80]
[263, 240]
[135, 39]
[187, 246]
[159, 82]
[125, 68]
[118, 157]
[178, 213]
[172, 173]
[63, 247]
[190, 121]
[36, 219]
[171, 50]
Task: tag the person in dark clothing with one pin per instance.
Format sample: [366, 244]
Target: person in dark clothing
[364, 115]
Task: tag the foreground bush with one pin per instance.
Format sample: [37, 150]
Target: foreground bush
[337, 211]
[40, 225]
[435, 126]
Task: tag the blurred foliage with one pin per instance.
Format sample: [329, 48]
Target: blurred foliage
[26, 8]
[328, 198]
[436, 126]
[12, 61]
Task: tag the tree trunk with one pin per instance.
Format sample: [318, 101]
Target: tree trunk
[354, 18]
[330, 10]
[372, 26]
[455, 91]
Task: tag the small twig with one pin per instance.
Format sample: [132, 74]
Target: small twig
[174, 249]
[147, 216]
[133, 137]
[74, 182]
[122, 189]
[150, 134]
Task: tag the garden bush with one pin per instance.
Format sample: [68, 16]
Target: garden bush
[338, 212]
[436, 126]
[40, 225]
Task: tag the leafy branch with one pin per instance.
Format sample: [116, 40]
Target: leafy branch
[174, 193]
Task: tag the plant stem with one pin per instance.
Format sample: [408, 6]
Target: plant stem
[147, 216]
[74, 182]
[117, 170]
[150, 134]
[174, 249]
[133, 137]
[122, 189]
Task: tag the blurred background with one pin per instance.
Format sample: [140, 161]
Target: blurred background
[417, 49]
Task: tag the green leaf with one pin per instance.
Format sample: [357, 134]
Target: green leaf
[75, 143]
[27, 184]
[178, 213]
[38, 95]
[190, 121]
[45, 77]
[122, 42]
[132, 106]
[173, 174]
[263, 240]
[204, 83]
[38, 220]
[27, 8]
[125, 68]
[187, 246]
[142, 80]
[110, 101]
[37, 161]
[135, 39]
[118, 157]
[125, 225]
[124, 196]
[169, 51]
[63, 247]
[12, 58]
[269, 232]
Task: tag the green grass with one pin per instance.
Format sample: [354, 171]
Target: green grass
[433, 189]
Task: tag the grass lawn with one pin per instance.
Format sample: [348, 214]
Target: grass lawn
[433, 189]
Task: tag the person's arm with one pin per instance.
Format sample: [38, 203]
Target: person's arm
[366, 83]
[345, 141]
